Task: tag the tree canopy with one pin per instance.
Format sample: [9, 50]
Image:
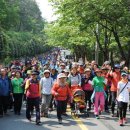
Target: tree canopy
[21, 29]
[82, 23]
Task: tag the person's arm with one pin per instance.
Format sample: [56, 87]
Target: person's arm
[40, 83]
[129, 86]
[54, 90]
[93, 83]
[79, 79]
[105, 81]
[27, 85]
[39, 89]
[70, 94]
[10, 87]
[118, 90]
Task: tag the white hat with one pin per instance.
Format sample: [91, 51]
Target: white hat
[66, 70]
[46, 71]
[61, 75]
[62, 64]
[87, 69]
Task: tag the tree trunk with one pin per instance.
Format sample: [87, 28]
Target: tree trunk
[128, 62]
[119, 45]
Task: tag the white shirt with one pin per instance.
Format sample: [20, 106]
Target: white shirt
[124, 95]
[46, 85]
[75, 80]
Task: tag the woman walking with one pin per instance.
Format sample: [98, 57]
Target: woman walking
[123, 90]
[87, 87]
[99, 96]
[46, 84]
[17, 85]
[61, 91]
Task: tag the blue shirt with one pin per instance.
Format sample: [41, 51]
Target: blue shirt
[4, 86]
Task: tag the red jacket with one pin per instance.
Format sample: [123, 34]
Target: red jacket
[115, 78]
[63, 92]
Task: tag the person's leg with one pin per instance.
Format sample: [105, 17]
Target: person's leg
[43, 105]
[86, 97]
[106, 102]
[37, 107]
[120, 110]
[48, 100]
[64, 107]
[1, 105]
[15, 103]
[102, 101]
[5, 103]
[59, 109]
[20, 98]
[124, 112]
[109, 97]
[113, 94]
[89, 99]
[28, 108]
[96, 103]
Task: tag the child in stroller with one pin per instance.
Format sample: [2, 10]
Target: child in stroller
[79, 105]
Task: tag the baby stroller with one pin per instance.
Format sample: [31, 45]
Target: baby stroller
[79, 103]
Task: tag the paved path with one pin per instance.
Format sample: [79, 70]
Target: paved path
[13, 122]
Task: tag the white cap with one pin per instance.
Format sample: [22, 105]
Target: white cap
[62, 64]
[46, 71]
[66, 70]
[61, 75]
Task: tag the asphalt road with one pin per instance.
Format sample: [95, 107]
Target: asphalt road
[106, 122]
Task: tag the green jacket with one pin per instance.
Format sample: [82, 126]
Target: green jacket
[98, 84]
[17, 85]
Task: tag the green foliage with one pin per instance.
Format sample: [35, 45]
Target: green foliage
[21, 29]
[77, 26]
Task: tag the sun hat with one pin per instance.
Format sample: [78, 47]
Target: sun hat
[34, 73]
[61, 75]
[29, 72]
[124, 74]
[87, 70]
[46, 71]
[66, 70]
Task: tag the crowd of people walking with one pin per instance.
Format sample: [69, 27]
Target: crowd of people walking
[48, 82]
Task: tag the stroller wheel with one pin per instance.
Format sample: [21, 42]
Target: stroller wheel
[86, 115]
[76, 116]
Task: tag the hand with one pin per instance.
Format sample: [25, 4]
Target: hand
[71, 99]
[105, 81]
[90, 82]
[56, 94]
[11, 94]
[22, 85]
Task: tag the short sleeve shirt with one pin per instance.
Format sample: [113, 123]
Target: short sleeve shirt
[124, 95]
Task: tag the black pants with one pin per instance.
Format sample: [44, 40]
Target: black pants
[88, 95]
[109, 98]
[33, 102]
[113, 96]
[17, 102]
[106, 101]
[4, 100]
[61, 105]
[122, 108]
